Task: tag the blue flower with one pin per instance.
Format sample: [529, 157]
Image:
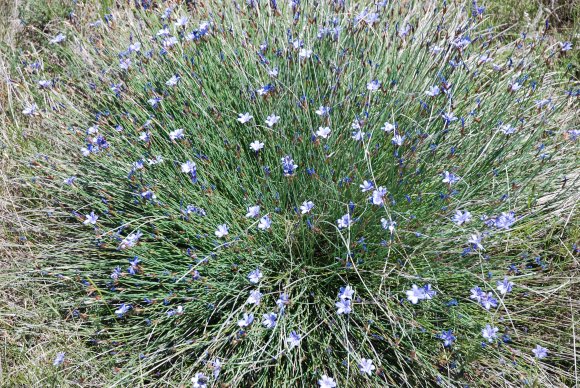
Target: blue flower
[489, 332]
[293, 339]
[366, 186]
[306, 207]
[366, 366]
[59, 359]
[282, 301]
[122, 310]
[253, 211]
[199, 380]
[344, 221]
[344, 306]
[265, 223]
[461, 218]
[246, 320]
[91, 218]
[447, 337]
[244, 117]
[326, 382]
[504, 286]
[176, 135]
[254, 298]
[449, 177]
[255, 276]
[269, 320]
[540, 352]
[288, 166]
[221, 231]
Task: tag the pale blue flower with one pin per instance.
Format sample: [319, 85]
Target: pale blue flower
[366, 366]
[489, 332]
[306, 207]
[91, 218]
[222, 231]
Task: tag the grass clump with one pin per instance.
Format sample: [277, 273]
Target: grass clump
[282, 194]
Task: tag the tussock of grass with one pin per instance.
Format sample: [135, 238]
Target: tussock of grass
[174, 312]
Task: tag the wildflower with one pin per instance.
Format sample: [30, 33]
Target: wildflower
[217, 367]
[306, 207]
[265, 223]
[173, 80]
[515, 86]
[415, 294]
[504, 286]
[271, 120]
[477, 294]
[282, 301]
[305, 53]
[388, 127]
[366, 186]
[344, 221]
[30, 110]
[475, 241]
[70, 180]
[148, 194]
[447, 337]
[131, 240]
[145, 136]
[253, 211]
[91, 218]
[366, 366]
[433, 91]
[254, 298]
[429, 292]
[505, 220]
[59, 359]
[373, 86]
[199, 380]
[326, 382]
[323, 111]
[448, 118]
[57, 39]
[273, 72]
[154, 102]
[346, 293]
[246, 320]
[358, 135]
[378, 195]
[288, 165]
[269, 320]
[45, 83]
[489, 332]
[122, 310]
[255, 276]
[565, 46]
[449, 177]
[177, 134]
[323, 132]
[398, 139]
[181, 22]
[540, 352]
[135, 47]
[190, 167]
[293, 339]
[244, 117]
[343, 306]
[488, 301]
[125, 63]
[388, 224]
[222, 231]
[163, 32]
[256, 145]
[461, 218]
